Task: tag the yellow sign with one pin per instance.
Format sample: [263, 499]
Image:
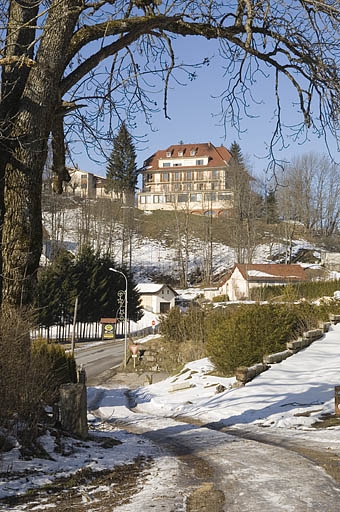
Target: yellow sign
[109, 331]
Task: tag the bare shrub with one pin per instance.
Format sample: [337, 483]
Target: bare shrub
[30, 376]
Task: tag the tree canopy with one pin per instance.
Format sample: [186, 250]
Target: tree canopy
[73, 68]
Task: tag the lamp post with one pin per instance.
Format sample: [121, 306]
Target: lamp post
[125, 312]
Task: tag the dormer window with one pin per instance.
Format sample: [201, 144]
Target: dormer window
[193, 152]
[168, 154]
[180, 153]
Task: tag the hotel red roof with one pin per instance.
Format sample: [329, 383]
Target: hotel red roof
[217, 156]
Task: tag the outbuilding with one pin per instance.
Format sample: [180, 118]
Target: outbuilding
[156, 298]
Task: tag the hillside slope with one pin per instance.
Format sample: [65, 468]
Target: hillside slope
[162, 245]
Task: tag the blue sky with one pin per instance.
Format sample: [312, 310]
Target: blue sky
[194, 110]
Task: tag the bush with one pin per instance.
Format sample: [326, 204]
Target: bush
[179, 327]
[291, 292]
[252, 331]
[30, 375]
[54, 366]
[240, 335]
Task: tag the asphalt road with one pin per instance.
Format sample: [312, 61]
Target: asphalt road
[100, 360]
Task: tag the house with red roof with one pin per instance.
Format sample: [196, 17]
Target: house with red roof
[190, 177]
[243, 277]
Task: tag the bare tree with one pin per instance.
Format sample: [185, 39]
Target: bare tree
[245, 206]
[67, 64]
[310, 193]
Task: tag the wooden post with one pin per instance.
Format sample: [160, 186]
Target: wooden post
[337, 399]
[74, 326]
[73, 409]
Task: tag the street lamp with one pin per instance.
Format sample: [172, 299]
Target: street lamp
[125, 312]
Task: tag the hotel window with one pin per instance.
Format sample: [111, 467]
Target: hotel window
[224, 197]
[195, 197]
[182, 198]
[189, 175]
[166, 164]
[165, 176]
[180, 153]
[200, 162]
[214, 174]
[177, 176]
[192, 152]
[168, 154]
[158, 199]
[210, 197]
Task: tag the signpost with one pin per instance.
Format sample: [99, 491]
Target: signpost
[109, 328]
[134, 351]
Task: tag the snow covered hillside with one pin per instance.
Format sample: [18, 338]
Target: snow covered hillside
[150, 256]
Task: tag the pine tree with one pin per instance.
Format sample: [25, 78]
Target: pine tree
[271, 207]
[238, 179]
[236, 153]
[122, 169]
[55, 296]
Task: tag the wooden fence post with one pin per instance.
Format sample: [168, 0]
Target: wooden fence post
[73, 409]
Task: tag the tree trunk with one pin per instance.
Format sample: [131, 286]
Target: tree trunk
[26, 119]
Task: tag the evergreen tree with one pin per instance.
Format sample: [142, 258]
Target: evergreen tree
[122, 169]
[236, 153]
[88, 278]
[271, 207]
[56, 293]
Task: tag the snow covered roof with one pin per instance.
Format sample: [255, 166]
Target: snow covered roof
[151, 288]
[272, 272]
[258, 273]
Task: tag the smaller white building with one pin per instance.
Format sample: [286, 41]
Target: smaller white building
[156, 298]
[87, 184]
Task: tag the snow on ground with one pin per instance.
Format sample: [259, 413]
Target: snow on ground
[289, 397]
[303, 383]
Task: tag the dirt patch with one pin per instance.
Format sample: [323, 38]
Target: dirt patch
[206, 499]
[99, 490]
[327, 420]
